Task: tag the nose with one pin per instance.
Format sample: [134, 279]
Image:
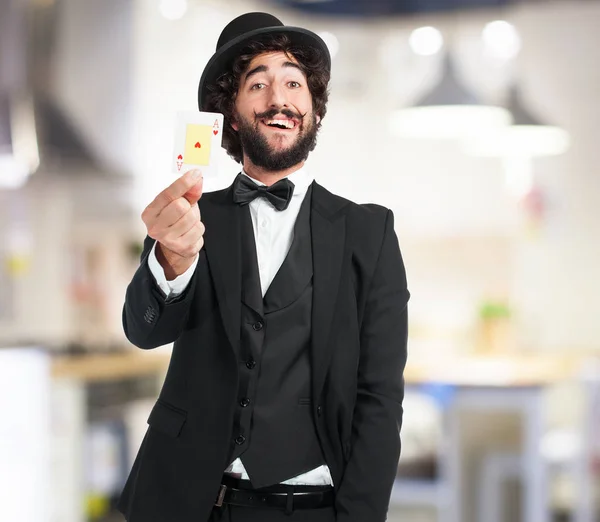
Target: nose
[277, 98]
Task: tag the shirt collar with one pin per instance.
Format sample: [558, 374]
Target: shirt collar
[301, 179]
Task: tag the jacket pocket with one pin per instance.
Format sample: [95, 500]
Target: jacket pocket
[167, 419]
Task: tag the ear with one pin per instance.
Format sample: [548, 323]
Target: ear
[234, 125]
[317, 118]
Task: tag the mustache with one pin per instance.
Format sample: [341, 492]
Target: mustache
[271, 113]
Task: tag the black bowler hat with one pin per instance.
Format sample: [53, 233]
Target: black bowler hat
[239, 32]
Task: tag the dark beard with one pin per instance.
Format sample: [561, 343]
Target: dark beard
[261, 154]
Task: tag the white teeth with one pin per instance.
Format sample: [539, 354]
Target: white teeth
[287, 123]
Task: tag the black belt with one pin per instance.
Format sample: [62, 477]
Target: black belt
[280, 496]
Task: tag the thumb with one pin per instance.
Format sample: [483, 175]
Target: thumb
[195, 192]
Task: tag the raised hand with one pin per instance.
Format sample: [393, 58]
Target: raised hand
[173, 220]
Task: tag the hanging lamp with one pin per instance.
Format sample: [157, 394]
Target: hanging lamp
[448, 111]
[528, 136]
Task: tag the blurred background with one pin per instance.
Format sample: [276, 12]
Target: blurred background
[475, 121]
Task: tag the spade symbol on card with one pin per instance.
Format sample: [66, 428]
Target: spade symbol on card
[197, 146]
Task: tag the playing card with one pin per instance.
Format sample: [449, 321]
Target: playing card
[198, 137]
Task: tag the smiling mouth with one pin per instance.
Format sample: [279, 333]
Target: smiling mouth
[280, 124]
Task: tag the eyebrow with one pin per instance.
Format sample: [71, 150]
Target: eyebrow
[264, 68]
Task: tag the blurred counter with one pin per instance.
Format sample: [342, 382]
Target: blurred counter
[512, 370]
[107, 367]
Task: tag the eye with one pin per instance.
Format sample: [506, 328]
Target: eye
[257, 86]
[294, 84]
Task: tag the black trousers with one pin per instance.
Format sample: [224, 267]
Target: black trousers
[228, 513]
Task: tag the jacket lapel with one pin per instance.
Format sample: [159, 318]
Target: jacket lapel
[328, 228]
[222, 219]
[296, 271]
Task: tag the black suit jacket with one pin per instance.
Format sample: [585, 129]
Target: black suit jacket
[358, 354]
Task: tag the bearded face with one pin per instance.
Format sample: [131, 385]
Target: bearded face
[267, 143]
[273, 113]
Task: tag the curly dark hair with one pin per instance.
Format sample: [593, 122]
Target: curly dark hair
[222, 94]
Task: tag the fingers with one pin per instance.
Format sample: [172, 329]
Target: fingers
[173, 217]
[186, 223]
[176, 190]
[162, 229]
[192, 241]
[195, 193]
[174, 211]
[189, 243]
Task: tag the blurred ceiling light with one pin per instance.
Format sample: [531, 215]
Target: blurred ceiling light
[19, 154]
[526, 137]
[501, 40]
[448, 111]
[173, 9]
[426, 41]
[333, 44]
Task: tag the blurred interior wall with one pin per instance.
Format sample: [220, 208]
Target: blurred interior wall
[38, 218]
[93, 75]
[121, 71]
[13, 45]
[557, 280]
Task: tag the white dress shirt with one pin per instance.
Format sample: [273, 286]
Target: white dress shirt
[273, 233]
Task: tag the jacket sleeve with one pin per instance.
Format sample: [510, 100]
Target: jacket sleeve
[365, 489]
[149, 318]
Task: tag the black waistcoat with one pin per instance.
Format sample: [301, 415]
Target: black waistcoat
[274, 430]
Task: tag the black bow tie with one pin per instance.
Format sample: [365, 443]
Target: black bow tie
[279, 194]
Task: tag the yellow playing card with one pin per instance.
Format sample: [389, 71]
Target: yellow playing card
[198, 138]
[197, 144]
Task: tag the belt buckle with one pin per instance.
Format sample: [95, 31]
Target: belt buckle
[221, 495]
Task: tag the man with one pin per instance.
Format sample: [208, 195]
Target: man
[287, 306]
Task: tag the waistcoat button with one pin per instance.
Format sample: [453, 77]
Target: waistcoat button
[251, 364]
[257, 326]
[319, 410]
[240, 440]
[244, 402]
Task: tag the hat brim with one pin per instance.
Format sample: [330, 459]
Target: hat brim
[223, 59]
